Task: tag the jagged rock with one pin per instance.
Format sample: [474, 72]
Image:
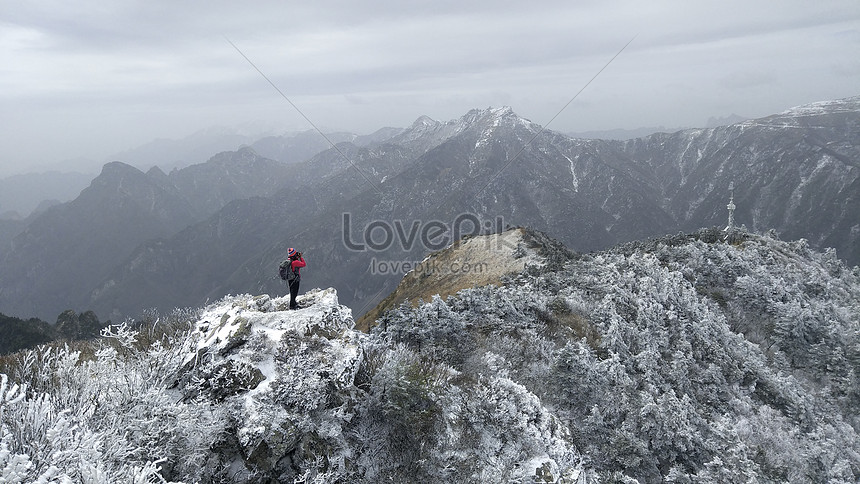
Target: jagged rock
[238, 337]
[272, 444]
[79, 326]
[264, 303]
[223, 379]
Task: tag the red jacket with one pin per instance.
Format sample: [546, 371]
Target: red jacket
[297, 264]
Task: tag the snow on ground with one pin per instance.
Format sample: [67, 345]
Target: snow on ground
[276, 366]
[222, 320]
[847, 105]
[226, 326]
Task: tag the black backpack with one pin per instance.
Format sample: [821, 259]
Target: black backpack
[286, 272]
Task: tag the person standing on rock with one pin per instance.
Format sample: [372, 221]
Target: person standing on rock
[290, 271]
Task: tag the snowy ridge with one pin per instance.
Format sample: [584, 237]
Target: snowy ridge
[708, 357]
[312, 356]
[794, 117]
[846, 105]
[254, 393]
[485, 120]
[696, 353]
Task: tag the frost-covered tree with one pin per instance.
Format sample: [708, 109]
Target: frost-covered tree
[689, 358]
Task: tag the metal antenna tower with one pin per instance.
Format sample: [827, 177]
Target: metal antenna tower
[731, 206]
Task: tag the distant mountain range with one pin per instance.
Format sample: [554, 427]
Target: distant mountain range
[628, 134]
[135, 240]
[622, 134]
[21, 195]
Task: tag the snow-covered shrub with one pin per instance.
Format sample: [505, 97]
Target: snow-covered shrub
[685, 330]
[687, 358]
[107, 418]
[506, 429]
[400, 416]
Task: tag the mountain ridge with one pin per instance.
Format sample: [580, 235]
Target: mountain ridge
[488, 164]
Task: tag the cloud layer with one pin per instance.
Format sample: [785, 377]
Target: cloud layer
[92, 78]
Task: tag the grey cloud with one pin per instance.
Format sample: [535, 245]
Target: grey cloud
[138, 70]
[746, 79]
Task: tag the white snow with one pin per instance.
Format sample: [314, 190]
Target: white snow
[269, 319]
[574, 178]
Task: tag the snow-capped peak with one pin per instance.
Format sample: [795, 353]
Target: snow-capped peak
[424, 121]
[492, 116]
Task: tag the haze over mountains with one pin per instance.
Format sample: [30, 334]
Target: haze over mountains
[135, 240]
[22, 194]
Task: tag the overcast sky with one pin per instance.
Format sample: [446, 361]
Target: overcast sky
[92, 78]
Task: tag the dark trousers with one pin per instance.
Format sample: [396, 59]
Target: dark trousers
[294, 291]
